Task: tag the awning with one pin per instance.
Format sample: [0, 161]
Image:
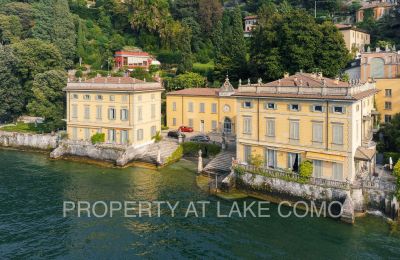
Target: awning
[325, 157]
[364, 154]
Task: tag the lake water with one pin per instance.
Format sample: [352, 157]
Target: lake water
[33, 188]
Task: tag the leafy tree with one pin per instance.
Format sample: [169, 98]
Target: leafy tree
[231, 48]
[332, 54]
[149, 15]
[10, 29]
[10, 87]
[210, 12]
[54, 23]
[186, 80]
[291, 41]
[24, 11]
[391, 135]
[48, 95]
[35, 56]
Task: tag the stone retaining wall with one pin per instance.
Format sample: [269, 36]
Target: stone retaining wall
[101, 152]
[28, 141]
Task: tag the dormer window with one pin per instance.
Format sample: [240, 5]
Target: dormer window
[99, 97]
[74, 96]
[247, 104]
[294, 107]
[270, 105]
[86, 97]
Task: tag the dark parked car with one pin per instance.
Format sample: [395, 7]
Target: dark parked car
[200, 139]
[175, 134]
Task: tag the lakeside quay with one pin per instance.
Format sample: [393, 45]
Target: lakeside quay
[34, 226]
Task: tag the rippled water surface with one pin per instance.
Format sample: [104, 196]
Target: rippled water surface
[33, 188]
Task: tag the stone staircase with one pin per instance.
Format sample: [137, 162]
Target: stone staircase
[149, 153]
[221, 164]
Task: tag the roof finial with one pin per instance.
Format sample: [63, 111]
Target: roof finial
[248, 81]
[240, 82]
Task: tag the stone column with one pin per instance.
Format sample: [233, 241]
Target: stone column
[159, 155]
[200, 163]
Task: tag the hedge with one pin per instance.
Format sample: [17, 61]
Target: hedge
[192, 149]
[98, 138]
[395, 157]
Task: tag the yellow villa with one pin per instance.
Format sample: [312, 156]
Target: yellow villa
[126, 110]
[355, 39]
[308, 117]
[204, 109]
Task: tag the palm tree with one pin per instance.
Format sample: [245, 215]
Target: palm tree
[157, 137]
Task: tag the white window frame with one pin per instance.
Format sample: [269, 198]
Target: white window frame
[247, 125]
[270, 125]
[294, 129]
[337, 134]
[317, 132]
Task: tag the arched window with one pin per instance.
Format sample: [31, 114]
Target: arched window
[377, 68]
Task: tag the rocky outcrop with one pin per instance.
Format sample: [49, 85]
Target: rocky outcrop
[86, 149]
[28, 141]
[348, 215]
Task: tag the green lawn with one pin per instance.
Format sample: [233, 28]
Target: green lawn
[24, 128]
[203, 66]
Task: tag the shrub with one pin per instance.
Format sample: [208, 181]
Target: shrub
[239, 170]
[256, 160]
[98, 138]
[192, 149]
[78, 74]
[164, 127]
[175, 156]
[396, 172]
[306, 169]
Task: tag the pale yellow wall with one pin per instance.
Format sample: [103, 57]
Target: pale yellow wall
[394, 85]
[354, 38]
[326, 151]
[183, 115]
[132, 103]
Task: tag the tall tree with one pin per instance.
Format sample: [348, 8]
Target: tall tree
[11, 91]
[291, 41]
[48, 95]
[231, 48]
[54, 23]
[210, 12]
[10, 29]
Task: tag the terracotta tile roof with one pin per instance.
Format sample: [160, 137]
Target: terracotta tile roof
[308, 96]
[250, 17]
[364, 154]
[306, 79]
[118, 80]
[377, 4]
[195, 92]
[349, 27]
[113, 84]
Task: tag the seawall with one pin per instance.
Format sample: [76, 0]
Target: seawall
[28, 141]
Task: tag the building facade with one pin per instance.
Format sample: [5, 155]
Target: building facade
[134, 59]
[308, 117]
[378, 9]
[126, 110]
[355, 38]
[205, 109]
[383, 66]
[250, 22]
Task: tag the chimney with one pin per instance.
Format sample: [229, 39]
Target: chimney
[320, 75]
[286, 75]
[313, 75]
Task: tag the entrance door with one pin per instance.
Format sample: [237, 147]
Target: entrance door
[227, 125]
[202, 126]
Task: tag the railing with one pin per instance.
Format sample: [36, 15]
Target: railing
[378, 185]
[291, 176]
